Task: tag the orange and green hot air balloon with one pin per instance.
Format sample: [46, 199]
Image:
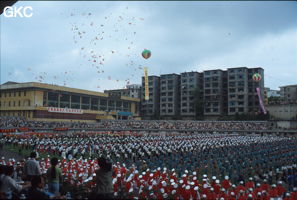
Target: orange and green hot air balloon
[146, 53]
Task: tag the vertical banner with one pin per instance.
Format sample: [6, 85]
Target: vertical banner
[261, 101]
[146, 87]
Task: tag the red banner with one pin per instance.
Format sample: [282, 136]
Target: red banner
[65, 110]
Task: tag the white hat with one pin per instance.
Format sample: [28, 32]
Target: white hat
[214, 178]
[217, 181]
[194, 173]
[173, 192]
[196, 188]
[226, 177]
[188, 187]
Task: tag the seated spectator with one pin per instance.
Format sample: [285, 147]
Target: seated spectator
[36, 190]
[9, 184]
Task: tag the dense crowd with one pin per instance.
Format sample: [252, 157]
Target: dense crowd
[15, 122]
[197, 164]
[173, 166]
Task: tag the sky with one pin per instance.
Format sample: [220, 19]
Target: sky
[97, 45]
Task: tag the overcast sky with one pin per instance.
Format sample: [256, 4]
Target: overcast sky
[98, 45]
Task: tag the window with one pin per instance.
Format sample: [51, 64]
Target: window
[240, 109]
[19, 94]
[13, 103]
[232, 84]
[9, 103]
[25, 93]
[232, 109]
[216, 84]
[14, 94]
[240, 89]
[231, 77]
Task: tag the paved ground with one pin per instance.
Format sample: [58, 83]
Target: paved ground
[8, 154]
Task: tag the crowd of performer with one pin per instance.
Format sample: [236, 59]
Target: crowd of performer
[149, 164]
[171, 165]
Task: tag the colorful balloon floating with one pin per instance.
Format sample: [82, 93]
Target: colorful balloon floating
[146, 54]
[257, 77]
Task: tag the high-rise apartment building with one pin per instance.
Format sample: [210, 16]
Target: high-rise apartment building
[213, 92]
[217, 92]
[191, 93]
[289, 93]
[169, 96]
[150, 109]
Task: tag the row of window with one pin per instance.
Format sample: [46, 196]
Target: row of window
[15, 103]
[13, 94]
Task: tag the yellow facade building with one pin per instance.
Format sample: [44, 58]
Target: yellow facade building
[45, 102]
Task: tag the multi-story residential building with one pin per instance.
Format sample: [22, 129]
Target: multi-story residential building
[272, 93]
[132, 90]
[289, 93]
[191, 93]
[220, 92]
[213, 92]
[169, 96]
[237, 90]
[150, 109]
